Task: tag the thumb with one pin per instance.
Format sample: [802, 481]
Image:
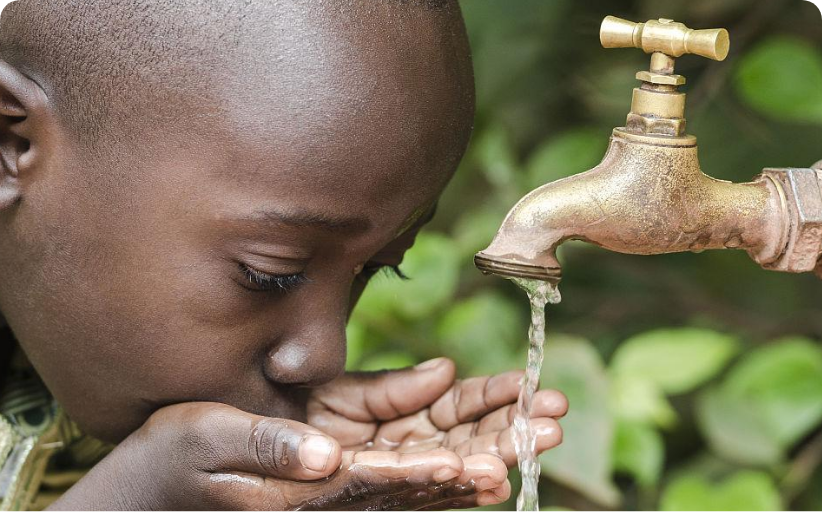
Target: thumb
[388, 395]
[278, 448]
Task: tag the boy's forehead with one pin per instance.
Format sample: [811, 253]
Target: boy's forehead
[368, 97]
[386, 105]
[114, 68]
[345, 70]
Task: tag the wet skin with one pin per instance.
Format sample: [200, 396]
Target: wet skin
[216, 258]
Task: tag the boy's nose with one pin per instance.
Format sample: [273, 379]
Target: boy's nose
[313, 358]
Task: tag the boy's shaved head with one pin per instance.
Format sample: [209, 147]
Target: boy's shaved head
[194, 193]
[108, 65]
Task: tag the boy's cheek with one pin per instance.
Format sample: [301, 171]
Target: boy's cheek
[158, 340]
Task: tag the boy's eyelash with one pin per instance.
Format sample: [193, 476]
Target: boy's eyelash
[261, 281]
[388, 270]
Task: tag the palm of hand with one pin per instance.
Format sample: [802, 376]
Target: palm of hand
[426, 408]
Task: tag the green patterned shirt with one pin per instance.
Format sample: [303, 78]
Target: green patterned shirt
[42, 453]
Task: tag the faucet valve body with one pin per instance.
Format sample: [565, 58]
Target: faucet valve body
[658, 108]
[665, 36]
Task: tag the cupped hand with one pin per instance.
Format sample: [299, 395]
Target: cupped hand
[426, 408]
[410, 439]
[206, 456]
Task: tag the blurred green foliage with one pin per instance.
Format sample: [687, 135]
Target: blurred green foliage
[695, 381]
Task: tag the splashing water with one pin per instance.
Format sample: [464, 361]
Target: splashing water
[540, 293]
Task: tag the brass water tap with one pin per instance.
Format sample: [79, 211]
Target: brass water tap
[649, 195]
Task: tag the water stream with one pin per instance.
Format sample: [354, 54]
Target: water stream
[540, 293]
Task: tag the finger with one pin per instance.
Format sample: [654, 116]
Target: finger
[480, 499]
[354, 435]
[413, 433]
[435, 466]
[384, 396]
[365, 481]
[271, 447]
[548, 435]
[495, 496]
[387, 480]
[370, 481]
[483, 472]
[548, 403]
[473, 398]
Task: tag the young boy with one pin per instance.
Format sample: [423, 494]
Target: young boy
[193, 195]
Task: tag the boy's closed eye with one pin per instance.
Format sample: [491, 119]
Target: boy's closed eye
[259, 281]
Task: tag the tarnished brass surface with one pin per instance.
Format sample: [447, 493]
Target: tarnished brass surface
[647, 102]
[511, 269]
[660, 78]
[649, 196]
[803, 198]
[643, 198]
[658, 108]
[665, 36]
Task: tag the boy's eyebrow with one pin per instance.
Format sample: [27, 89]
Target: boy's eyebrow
[321, 220]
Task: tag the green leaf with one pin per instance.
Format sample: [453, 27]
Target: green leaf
[639, 451]
[785, 379]
[687, 494]
[782, 78]
[496, 153]
[640, 400]
[433, 265]
[770, 400]
[356, 335]
[748, 492]
[475, 229]
[583, 461]
[744, 490]
[572, 152]
[736, 431]
[485, 333]
[676, 360]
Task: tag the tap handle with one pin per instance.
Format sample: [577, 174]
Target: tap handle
[665, 36]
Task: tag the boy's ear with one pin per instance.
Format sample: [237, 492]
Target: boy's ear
[23, 108]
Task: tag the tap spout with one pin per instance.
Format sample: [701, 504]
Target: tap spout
[648, 196]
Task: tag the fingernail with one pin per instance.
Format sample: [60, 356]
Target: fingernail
[430, 365]
[314, 452]
[445, 474]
